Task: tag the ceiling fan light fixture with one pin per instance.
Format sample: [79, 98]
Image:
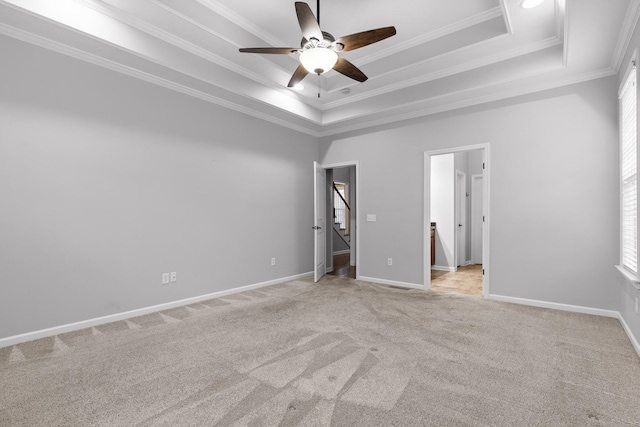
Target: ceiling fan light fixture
[529, 4]
[318, 60]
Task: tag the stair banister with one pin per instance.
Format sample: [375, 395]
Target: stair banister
[346, 209]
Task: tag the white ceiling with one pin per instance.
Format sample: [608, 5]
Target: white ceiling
[447, 54]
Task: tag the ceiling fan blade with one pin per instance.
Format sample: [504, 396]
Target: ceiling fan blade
[298, 75]
[357, 40]
[308, 23]
[348, 69]
[276, 50]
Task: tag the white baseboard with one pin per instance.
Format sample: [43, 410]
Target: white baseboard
[391, 282]
[43, 333]
[443, 268]
[555, 306]
[632, 338]
[574, 309]
[346, 251]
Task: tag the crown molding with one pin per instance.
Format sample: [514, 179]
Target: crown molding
[432, 35]
[447, 72]
[565, 35]
[560, 16]
[149, 78]
[195, 50]
[152, 60]
[415, 105]
[470, 102]
[507, 18]
[188, 19]
[241, 22]
[624, 38]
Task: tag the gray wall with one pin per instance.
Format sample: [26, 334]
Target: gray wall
[106, 182]
[553, 192]
[342, 175]
[443, 210]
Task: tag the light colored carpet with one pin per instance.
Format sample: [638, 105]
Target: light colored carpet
[339, 353]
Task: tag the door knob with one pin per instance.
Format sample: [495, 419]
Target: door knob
[315, 227]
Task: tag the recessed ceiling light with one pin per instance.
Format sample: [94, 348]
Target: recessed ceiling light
[298, 87]
[528, 4]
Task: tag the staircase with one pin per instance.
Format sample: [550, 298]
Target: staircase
[341, 216]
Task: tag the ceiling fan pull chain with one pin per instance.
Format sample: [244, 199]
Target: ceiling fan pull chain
[319, 80]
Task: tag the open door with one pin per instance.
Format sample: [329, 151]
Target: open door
[319, 227]
[461, 218]
[476, 218]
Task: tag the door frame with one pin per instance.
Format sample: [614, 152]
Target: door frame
[485, 207]
[354, 230]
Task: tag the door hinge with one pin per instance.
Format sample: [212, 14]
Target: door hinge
[483, 271]
[482, 218]
[482, 165]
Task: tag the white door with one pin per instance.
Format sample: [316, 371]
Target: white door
[319, 213]
[461, 218]
[476, 219]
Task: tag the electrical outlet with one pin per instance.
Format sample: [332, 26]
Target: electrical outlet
[389, 262]
[165, 278]
[273, 262]
[174, 276]
[636, 305]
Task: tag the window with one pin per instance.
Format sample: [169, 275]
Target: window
[628, 173]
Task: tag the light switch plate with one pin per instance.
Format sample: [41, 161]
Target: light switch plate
[371, 217]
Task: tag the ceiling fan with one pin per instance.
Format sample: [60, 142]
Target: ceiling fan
[318, 48]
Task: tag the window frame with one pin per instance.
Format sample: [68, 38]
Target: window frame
[627, 271]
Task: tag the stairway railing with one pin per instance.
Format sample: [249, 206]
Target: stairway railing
[341, 210]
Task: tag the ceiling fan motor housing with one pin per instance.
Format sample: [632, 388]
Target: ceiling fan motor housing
[327, 41]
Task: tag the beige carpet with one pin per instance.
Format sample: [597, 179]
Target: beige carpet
[339, 353]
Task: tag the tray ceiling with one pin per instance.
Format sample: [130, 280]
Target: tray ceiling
[446, 54]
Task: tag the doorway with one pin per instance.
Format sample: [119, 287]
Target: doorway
[340, 196]
[456, 204]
